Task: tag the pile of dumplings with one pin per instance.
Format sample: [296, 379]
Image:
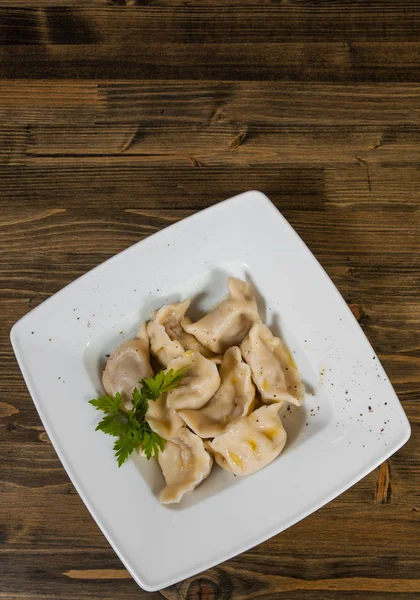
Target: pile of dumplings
[237, 377]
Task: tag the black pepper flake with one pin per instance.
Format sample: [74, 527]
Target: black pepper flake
[107, 355]
[370, 408]
[386, 403]
[32, 332]
[374, 357]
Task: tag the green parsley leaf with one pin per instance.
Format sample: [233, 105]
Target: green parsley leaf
[140, 404]
[152, 443]
[107, 404]
[113, 424]
[130, 426]
[125, 445]
[162, 383]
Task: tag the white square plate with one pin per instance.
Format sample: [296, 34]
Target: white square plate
[350, 422]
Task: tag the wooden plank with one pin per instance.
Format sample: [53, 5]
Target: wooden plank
[223, 142]
[209, 22]
[382, 61]
[182, 186]
[71, 104]
[84, 181]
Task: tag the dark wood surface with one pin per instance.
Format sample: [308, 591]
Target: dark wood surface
[118, 118]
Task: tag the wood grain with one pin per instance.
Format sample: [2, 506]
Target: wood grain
[120, 117]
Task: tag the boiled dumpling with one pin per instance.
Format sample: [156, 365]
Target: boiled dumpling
[199, 384]
[250, 443]
[163, 332]
[163, 420]
[184, 463]
[273, 369]
[230, 321]
[189, 342]
[126, 367]
[168, 340]
[234, 398]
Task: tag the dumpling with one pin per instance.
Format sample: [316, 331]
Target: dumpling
[199, 384]
[234, 398]
[229, 322]
[168, 340]
[126, 367]
[273, 369]
[163, 420]
[163, 332]
[184, 463]
[250, 443]
[189, 342]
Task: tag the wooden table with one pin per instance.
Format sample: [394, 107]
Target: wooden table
[118, 118]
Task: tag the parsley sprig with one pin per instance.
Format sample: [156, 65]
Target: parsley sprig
[130, 426]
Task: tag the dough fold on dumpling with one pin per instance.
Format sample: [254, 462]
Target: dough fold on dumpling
[250, 443]
[168, 339]
[184, 463]
[199, 383]
[126, 367]
[163, 420]
[273, 369]
[234, 398]
[229, 322]
[143, 337]
[163, 331]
